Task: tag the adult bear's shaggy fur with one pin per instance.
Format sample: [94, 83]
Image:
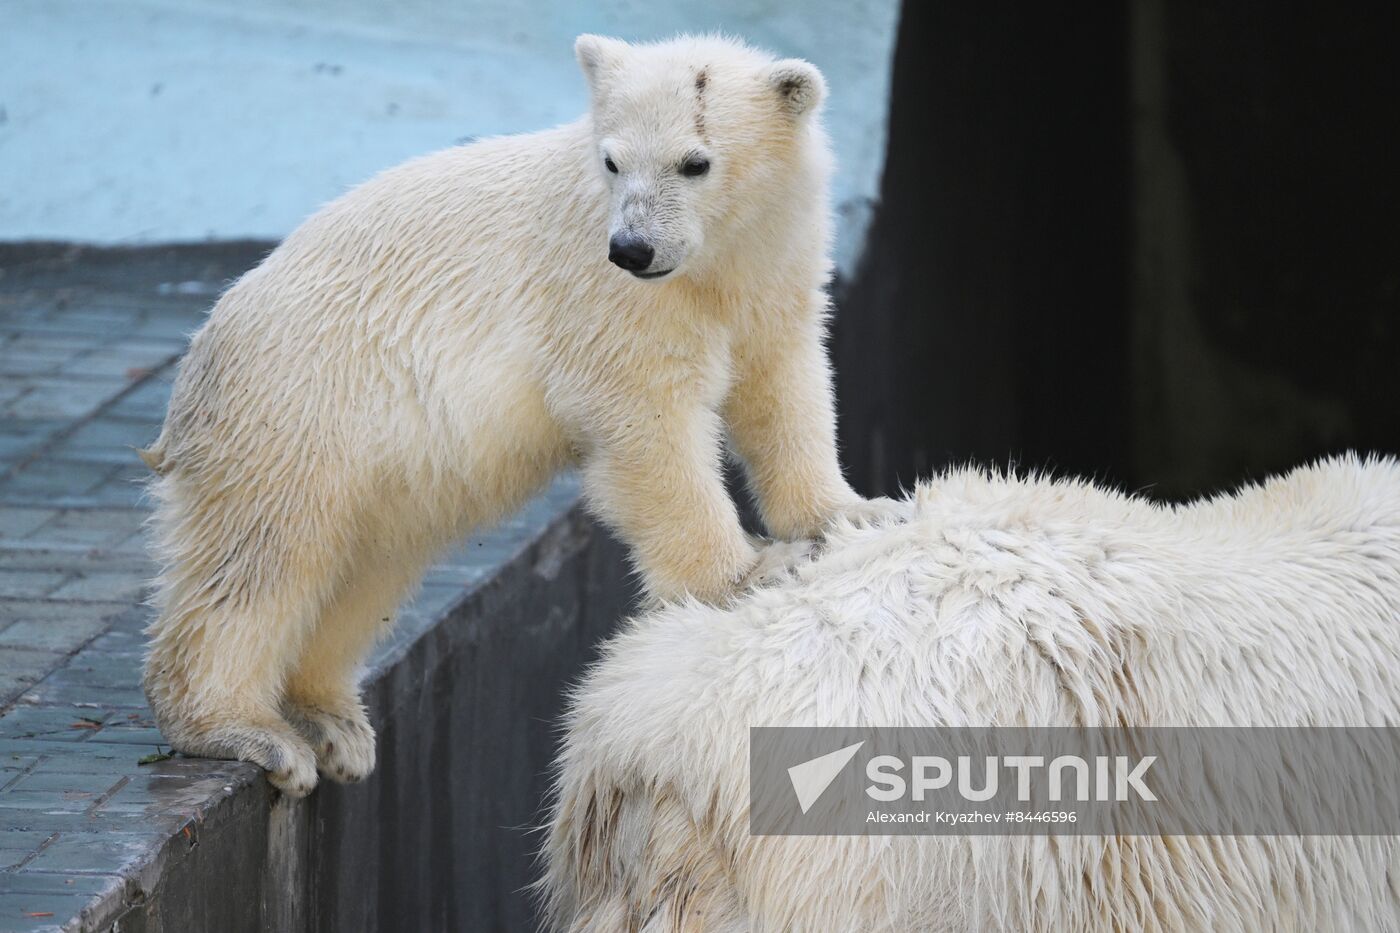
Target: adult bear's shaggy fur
[1003, 602]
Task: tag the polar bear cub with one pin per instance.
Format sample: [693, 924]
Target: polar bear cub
[423, 354]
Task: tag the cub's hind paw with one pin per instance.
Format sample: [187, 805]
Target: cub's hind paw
[288, 760]
[343, 740]
[296, 777]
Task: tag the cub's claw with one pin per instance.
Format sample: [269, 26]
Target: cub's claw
[776, 560]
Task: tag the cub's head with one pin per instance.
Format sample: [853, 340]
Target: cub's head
[694, 137]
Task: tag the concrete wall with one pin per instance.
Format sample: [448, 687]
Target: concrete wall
[987, 320]
[1266, 263]
[1147, 241]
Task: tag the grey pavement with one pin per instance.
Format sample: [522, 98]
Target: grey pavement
[88, 342]
[85, 369]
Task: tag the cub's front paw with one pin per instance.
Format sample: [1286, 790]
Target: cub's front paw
[866, 513]
[776, 560]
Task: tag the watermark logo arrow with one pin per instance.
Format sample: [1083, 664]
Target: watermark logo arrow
[811, 778]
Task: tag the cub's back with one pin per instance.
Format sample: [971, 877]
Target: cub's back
[390, 295]
[480, 215]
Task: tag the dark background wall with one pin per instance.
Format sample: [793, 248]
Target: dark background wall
[1153, 242]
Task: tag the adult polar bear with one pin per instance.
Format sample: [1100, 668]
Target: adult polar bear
[1001, 602]
[427, 351]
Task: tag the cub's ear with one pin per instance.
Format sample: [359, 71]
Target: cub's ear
[798, 84]
[597, 55]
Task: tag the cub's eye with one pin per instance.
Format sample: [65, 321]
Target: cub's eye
[610, 165]
[694, 168]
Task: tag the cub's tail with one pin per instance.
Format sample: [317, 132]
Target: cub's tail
[154, 456]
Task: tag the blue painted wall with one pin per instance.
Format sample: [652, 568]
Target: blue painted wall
[148, 122]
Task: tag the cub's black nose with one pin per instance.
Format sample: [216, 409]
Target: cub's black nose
[630, 252]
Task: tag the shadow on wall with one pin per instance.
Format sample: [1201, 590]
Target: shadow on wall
[1147, 242]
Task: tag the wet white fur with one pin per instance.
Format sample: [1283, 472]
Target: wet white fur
[1003, 602]
[425, 352]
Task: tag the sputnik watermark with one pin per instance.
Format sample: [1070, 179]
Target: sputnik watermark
[1114, 777]
[1080, 781]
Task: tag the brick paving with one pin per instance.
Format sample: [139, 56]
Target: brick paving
[88, 344]
[86, 355]
[85, 369]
